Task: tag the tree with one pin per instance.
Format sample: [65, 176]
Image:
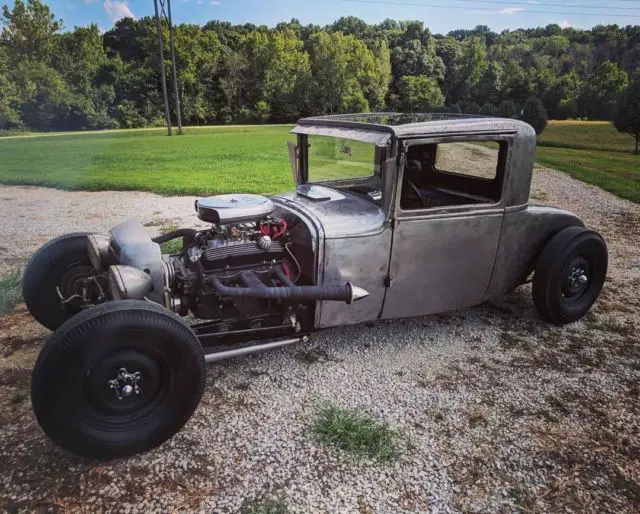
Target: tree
[535, 114]
[601, 90]
[627, 118]
[29, 31]
[420, 94]
[507, 109]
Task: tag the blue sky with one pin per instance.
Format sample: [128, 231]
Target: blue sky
[497, 14]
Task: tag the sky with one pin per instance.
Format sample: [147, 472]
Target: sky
[440, 16]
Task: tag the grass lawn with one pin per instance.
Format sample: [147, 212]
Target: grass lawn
[586, 135]
[223, 159]
[615, 172]
[592, 151]
[203, 161]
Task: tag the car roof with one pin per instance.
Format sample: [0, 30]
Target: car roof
[410, 124]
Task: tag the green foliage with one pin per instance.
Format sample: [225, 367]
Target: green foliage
[600, 92]
[535, 114]
[507, 109]
[420, 94]
[627, 118]
[82, 79]
[10, 292]
[356, 433]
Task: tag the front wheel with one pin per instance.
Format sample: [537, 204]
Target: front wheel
[569, 275]
[117, 379]
[56, 278]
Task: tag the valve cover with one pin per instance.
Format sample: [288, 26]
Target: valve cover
[233, 208]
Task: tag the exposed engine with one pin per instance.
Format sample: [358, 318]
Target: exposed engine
[242, 268]
[235, 254]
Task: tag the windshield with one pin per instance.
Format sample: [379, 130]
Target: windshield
[332, 158]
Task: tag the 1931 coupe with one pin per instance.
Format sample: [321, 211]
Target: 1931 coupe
[393, 216]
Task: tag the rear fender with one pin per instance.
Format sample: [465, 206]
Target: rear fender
[525, 232]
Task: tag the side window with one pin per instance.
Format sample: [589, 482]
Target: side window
[478, 160]
[456, 173]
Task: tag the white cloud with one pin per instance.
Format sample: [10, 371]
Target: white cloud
[118, 10]
[91, 1]
[565, 24]
[511, 10]
[214, 2]
[199, 2]
[532, 2]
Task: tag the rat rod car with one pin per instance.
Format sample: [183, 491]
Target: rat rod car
[394, 215]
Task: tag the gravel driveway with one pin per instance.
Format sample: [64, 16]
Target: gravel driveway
[497, 411]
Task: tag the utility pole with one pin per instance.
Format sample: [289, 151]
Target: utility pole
[163, 77]
[173, 67]
[164, 11]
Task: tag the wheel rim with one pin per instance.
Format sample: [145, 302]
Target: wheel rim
[128, 382]
[576, 279]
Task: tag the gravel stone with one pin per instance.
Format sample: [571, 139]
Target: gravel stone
[497, 411]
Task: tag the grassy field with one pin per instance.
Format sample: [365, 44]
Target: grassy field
[592, 151]
[254, 159]
[586, 135]
[203, 161]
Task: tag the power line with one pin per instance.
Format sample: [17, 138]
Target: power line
[527, 4]
[470, 8]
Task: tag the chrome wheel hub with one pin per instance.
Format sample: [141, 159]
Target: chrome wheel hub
[125, 384]
[577, 278]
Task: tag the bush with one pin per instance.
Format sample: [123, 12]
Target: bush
[488, 109]
[507, 109]
[627, 116]
[535, 114]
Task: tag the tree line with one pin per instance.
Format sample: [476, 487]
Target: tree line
[85, 79]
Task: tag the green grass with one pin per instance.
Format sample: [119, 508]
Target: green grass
[586, 135]
[356, 433]
[203, 161]
[615, 172]
[10, 292]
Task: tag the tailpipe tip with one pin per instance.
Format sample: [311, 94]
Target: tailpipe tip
[357, 293]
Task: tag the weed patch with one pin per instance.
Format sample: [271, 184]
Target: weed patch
[10, 292]
[356, 433]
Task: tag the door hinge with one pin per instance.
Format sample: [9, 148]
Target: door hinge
[388, 280]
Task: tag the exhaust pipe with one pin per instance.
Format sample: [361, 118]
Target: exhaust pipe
[255, 288]
[238, 352]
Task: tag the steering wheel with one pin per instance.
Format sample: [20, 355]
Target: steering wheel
[416, 192]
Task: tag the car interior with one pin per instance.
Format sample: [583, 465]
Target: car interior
[474, 177]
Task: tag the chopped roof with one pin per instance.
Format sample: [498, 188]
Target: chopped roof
[411, 124]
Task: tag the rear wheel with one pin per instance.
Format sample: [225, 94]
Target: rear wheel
[57, 272]
[569, 275]
[118, 379]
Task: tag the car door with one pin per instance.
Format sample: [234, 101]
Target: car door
[443, 252]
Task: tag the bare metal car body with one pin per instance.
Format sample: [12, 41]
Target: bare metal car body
[422, 261]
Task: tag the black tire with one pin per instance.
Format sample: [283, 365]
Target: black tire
[569, 275]
[59, 263]
[70, 388]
